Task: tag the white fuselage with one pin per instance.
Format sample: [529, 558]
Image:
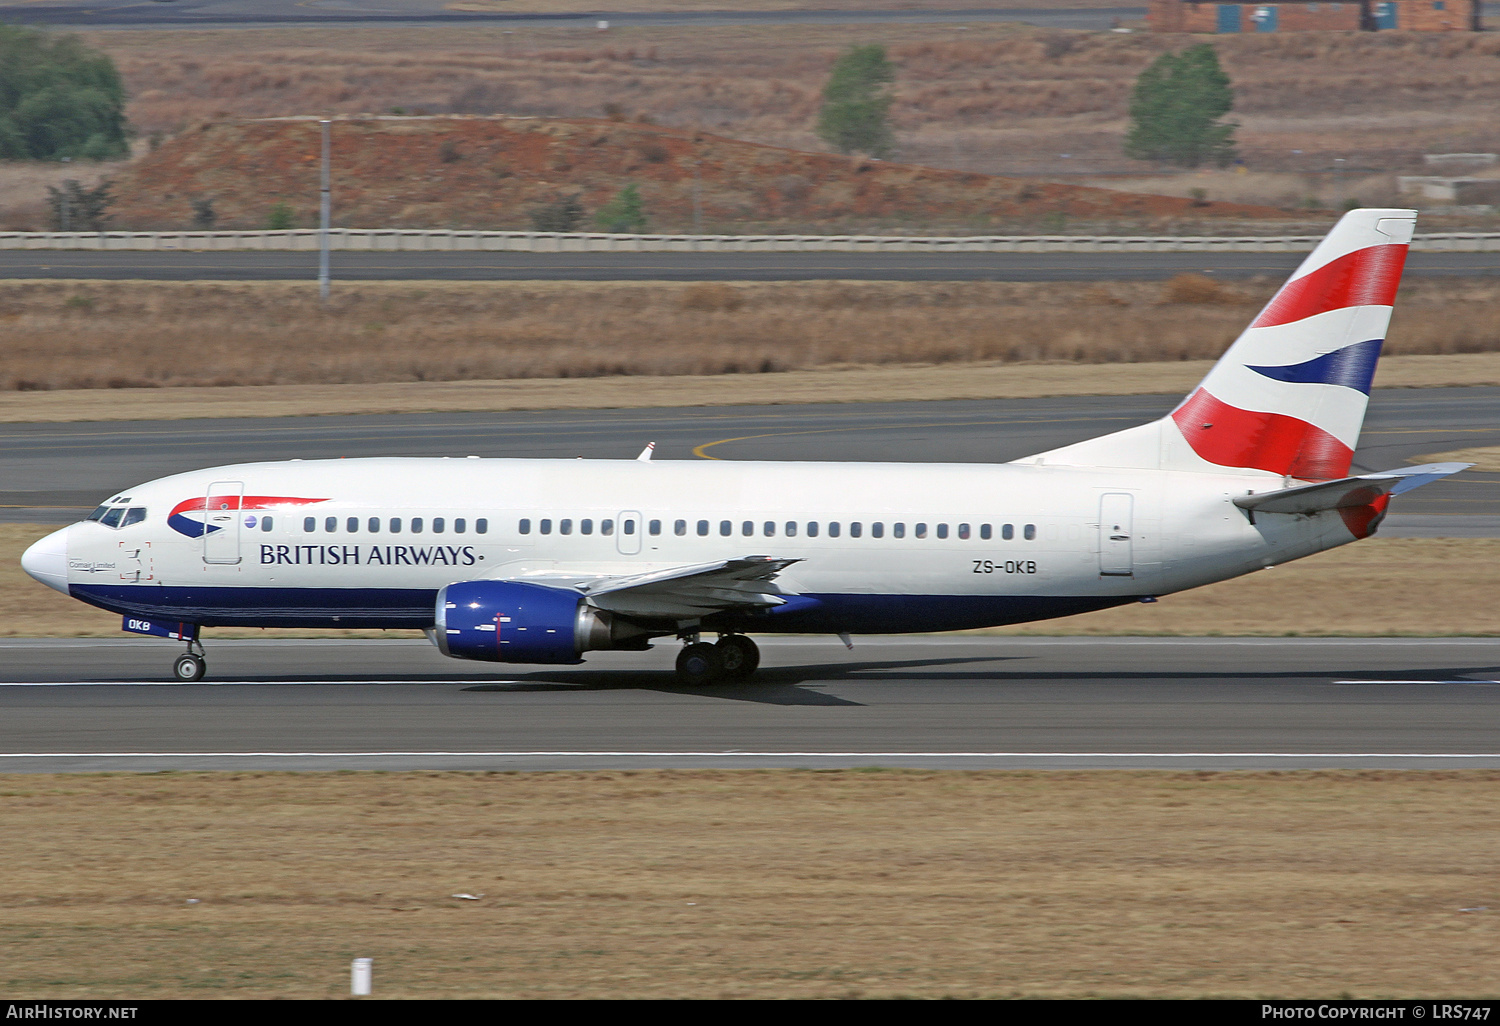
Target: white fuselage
[882, 547]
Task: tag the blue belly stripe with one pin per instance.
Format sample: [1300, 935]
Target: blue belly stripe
[412, 608]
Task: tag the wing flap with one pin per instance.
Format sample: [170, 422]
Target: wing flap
[678, 592]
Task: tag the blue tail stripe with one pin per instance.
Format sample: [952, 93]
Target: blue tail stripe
[1353, 367]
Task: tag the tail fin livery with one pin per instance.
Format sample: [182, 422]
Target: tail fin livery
[1289, 396]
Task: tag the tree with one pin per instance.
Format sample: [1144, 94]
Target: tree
[58, 98]
[623, 213]
[1176, 107]
[76, 209]
[857, 104]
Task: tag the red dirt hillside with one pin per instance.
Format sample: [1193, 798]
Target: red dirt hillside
[492, 172]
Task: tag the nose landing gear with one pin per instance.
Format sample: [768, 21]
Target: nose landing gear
[191, 665]
[735, 657]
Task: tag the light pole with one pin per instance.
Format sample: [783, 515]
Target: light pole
[697, 197]
[323, 211]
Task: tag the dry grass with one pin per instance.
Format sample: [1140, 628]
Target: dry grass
[991, 97]
[779, 884]
[891, 383]
[1449, 580]
[1486, 458]
[72, 335]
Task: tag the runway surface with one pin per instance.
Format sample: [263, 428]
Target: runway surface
[473, 266]
[956, 702]
[53, 473]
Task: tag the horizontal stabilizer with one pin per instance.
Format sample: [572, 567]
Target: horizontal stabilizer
[1348, 492]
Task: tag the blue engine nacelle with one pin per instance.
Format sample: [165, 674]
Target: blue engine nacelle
[507, 622]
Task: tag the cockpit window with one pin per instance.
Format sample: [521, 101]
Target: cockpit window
[117, 517]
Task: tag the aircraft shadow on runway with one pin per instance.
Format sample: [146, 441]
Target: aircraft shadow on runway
[780, 685]
[801, 685]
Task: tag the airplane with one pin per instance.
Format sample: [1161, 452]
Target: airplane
[539, 561]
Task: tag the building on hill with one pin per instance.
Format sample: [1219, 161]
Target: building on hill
[1315, 15]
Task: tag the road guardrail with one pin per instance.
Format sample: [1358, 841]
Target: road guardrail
[404, 240]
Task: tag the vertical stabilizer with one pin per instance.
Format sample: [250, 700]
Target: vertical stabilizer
[1289, 396]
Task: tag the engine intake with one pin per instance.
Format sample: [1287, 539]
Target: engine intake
[509, 622]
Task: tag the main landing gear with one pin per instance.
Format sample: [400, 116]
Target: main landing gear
[735, 657]
[190, 666]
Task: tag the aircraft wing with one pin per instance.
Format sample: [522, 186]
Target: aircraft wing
[680, 592]
[1347, 492]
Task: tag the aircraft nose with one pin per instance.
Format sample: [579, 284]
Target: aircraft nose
[47, 560]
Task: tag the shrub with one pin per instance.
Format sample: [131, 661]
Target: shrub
[1198, 290]
[856, 103]
[623, 213]
[711, 297]
[76, 209]
[565, 215]
[58, 98]
[204, 215]
[281, 218]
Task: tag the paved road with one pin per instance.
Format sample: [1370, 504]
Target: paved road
[50, 472]
[233, 13]
[279, 266]
[959, 702]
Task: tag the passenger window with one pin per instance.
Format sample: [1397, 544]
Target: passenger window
[877, 530]
[898, 530]
[416, 525]
[586, 526]
[1008, 532]
[135, 515]
[352, 525]
[395, 525]
[942, 530]
[112, 518]
[812, 528]
[747, 528]
[725, 527]
[374, 525]
[546, 526]
[607, 527]
[769, 527]
[565, 526]
[963, 531]
[791, 528]
[437, 525]
[524, 527]
[265, 523]
[482, 526]
[833, 528]
[984, 531]
[630, 527]
[460, 525]
[921, 531]
[703, 528]
[679, 527]
[309, 524]
[856, 529]
[1030, 532]
[655, 527]
[331, 524]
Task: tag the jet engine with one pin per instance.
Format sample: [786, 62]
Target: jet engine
[509, 622]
